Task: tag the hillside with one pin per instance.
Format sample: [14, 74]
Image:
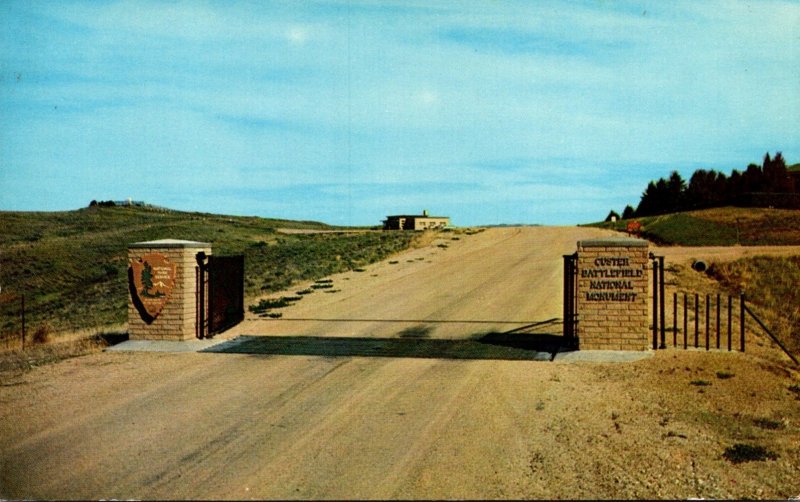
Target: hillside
[71, 265]
[725, 226]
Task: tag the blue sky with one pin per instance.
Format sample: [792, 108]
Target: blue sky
[488, 111]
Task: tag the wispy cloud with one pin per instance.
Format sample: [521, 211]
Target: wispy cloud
[342, 111]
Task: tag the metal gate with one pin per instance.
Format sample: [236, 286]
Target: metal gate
[570, 300]
[220, 293]
[708, 324]
[689, 312]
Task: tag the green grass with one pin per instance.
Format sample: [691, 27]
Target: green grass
[719, 227]
[72, 266]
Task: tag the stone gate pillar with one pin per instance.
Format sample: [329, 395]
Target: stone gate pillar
[612, 294]
[162, 303]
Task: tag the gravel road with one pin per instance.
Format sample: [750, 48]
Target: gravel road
[238, 426]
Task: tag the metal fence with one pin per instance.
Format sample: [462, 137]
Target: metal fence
[710, 321]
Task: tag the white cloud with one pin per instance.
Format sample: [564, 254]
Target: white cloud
[298, 35]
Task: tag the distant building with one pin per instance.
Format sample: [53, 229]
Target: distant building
[415, 222]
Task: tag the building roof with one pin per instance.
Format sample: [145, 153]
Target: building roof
[416, 216]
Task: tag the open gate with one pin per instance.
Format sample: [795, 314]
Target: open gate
[689, 310]
[220, 293]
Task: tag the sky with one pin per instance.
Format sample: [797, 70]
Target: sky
[487, 111]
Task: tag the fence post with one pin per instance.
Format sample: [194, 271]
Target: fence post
[22, 307]
[708, 307]
[730, 320]
[655, 304]
[662, 299]
[741, 320]
[675, 319]
[567, 301]
[718, 300]
[197, 302]
[201, 258]
[685, 322]
[696, 320]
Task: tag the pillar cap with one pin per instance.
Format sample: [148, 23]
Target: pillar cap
[613, 242]
[169, 243]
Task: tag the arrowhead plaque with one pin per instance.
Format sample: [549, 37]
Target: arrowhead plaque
[152, 278]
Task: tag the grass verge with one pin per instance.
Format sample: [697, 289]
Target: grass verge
[71, 266]
[726, 226]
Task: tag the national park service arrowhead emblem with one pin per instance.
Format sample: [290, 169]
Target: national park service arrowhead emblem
[152, 279]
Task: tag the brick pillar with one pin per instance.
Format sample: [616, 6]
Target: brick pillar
[612, 294]
[163, 263]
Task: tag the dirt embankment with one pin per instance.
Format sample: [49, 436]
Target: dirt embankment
[146, 425]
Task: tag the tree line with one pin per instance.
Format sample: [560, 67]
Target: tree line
[768, 185]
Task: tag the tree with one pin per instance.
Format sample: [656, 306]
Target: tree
[709, 188]
[753, 179]
[706, 189]
[647, 202]
[776, 176]
[147, 279]
[676, 190]
[612, 216]
[628, 213]
[733, 189]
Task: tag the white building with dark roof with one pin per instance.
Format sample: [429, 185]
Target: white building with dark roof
[415, 222]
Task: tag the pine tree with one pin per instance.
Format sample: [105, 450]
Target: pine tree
[628, 213]
[147, 279]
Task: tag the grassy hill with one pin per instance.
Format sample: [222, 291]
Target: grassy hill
[726, 226]
[72, 266]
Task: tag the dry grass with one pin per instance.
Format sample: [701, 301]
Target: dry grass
[772, 285]
[43, 353]
[756, 225]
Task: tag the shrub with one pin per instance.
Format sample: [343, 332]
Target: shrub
[766, 423]
[739, 453]
[273, 303]
[42, 334]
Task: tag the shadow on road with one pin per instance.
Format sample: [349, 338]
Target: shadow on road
[514, 345]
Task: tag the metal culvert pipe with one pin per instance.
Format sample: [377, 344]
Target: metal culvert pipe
[699, 265]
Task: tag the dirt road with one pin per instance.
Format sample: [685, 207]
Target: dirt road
[230, 426]
[510, 274]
